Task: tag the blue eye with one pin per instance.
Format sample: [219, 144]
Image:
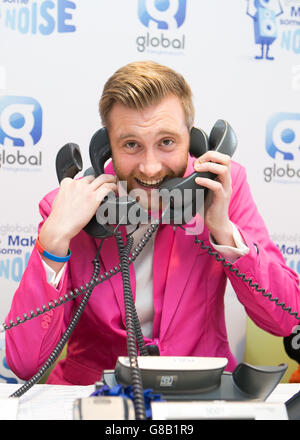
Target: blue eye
[131, 145]
[167, 142]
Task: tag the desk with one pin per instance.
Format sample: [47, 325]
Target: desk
[55, 402]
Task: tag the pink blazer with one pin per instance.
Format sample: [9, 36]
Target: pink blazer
[188, 291]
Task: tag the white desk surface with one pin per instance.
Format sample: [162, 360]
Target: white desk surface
[55, 402]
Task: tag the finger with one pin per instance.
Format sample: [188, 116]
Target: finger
[212, 167]
[66, 182]
[88, 179]
[221, 171]
[103, 178]
[214, 156]
[104, 190]
[214, 185]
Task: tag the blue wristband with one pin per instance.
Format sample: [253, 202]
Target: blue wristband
[52, 257]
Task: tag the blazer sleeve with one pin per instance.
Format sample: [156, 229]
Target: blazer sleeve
[29, 345]
[264, 267]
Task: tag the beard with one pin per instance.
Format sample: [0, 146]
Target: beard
[147, 196]
[132, 178]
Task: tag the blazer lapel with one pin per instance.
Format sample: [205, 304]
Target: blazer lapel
[161, 259]
[182, 257]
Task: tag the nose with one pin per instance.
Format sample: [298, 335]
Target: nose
[150, 164]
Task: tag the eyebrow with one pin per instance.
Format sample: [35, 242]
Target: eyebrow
[160, 133]
[125, 136]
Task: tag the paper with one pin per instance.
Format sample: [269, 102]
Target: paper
[8, 408]
[42, 402]
[51, 402]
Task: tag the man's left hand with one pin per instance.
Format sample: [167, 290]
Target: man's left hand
[216, 205]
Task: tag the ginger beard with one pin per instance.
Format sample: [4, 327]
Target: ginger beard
[147, 195]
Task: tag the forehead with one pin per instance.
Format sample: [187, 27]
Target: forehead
[167, 112]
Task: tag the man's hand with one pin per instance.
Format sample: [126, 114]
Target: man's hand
[216, 205]
[74, 206]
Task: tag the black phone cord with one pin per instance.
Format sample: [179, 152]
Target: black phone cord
[86, 291]
[130, 323]
[75, 293]
[59, 347]
[243, 276]
[98, 280]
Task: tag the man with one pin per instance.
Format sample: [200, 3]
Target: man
[177, 286]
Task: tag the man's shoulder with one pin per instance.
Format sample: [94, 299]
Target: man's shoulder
[238, 171]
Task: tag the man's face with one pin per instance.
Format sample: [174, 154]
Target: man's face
[149, 145]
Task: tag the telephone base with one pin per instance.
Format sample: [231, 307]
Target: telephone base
[237, 395]
[245, 383]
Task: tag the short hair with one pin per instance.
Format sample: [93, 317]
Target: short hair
[142, 83]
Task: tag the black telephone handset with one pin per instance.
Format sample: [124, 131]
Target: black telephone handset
[68, 163]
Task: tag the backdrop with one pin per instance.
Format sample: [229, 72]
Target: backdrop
[241, 59]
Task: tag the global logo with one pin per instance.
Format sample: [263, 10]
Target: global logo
[162, 14]
[283, 135]
[20, 121]
[20, 126]
[38, 17]
[283, 145]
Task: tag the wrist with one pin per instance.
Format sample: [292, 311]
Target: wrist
[223, 235]
[49, 256]
[54, 241]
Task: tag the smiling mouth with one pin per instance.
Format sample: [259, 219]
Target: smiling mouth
[149, 183]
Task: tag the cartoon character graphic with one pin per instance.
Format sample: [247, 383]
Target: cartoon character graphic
[265, 27]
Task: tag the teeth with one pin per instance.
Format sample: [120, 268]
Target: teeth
[150, 182]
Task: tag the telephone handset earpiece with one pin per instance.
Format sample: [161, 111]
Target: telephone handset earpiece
[68, 163]
[222, 139]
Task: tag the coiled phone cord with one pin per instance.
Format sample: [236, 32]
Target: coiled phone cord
[73, 294]
[243, 276]
[84, 290]
[131, 309]
[59, 347]
[87, 291]
[130, 322]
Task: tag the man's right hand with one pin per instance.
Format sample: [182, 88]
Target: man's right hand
[74, 206]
